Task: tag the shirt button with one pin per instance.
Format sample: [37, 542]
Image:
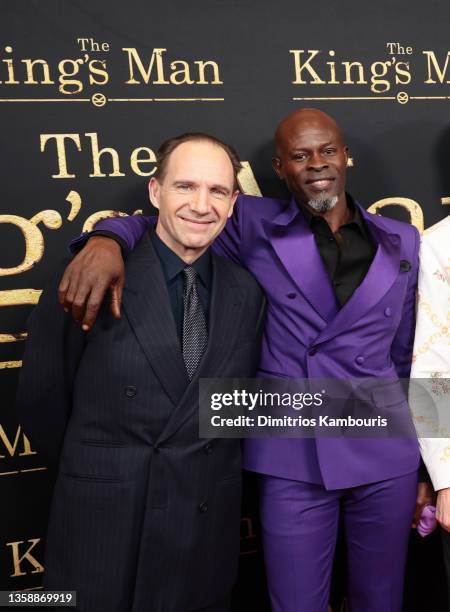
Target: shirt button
[203, 507]
[312, 351]
[130, 391]
[207, 449]
[387, 312]
[360, 360]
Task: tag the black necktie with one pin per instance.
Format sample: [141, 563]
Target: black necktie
[195, 333]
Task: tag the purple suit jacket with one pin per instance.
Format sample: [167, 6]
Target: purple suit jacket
[307, 335]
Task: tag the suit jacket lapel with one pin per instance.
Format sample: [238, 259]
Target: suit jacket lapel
[226, 310]
[295, 246]
[227, 300]
[379, 279]
[147, 306]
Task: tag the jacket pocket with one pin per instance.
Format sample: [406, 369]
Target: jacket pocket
[103, 443]
[98, 478]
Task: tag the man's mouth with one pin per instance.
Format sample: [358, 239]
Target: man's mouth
[197, 222]
[320, 184]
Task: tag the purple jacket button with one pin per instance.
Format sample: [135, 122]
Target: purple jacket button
[359, 360]
[387, 312]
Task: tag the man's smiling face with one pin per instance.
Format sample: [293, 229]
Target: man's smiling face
[195, 197]
[312, 159]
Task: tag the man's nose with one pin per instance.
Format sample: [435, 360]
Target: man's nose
[200, 202]
[317, 161]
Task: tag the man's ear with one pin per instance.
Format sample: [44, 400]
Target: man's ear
[346, 153]
[276, 165]
[233, 202]
[154, 189]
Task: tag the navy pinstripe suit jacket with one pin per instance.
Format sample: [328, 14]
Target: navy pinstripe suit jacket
[145, 515]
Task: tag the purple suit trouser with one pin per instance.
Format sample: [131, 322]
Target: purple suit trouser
[299, 528]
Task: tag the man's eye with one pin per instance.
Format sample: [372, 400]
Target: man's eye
[300, 156]
[184, 188]
[218, 192]
[330, 151]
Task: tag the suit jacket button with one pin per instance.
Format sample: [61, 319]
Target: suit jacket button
[387, 312]
[291, 296]
[130, 391]
[405, 266]
[312, 351]
[156, 448]
[207, 449]
[360, 360]
[203, 507]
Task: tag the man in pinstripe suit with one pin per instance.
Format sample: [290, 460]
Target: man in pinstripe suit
[145, 515]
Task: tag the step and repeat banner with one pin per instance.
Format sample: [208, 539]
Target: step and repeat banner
[88, 90]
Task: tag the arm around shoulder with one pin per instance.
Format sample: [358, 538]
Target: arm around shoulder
[127, 231]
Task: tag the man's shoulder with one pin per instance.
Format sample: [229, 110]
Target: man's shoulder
[408, 233]
[236, 274]
[394, 226]
[435, 242]
[438, 231]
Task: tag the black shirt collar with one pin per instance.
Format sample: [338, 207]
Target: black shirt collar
[172, 265]
[358, 220]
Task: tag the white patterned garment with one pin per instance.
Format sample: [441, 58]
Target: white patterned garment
[431, 358]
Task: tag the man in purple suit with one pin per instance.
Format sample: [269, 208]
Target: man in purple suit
[340, 285]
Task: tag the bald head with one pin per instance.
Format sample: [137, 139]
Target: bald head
[312, 158]
[301, 119]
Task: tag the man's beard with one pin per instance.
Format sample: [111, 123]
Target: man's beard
[323, 203]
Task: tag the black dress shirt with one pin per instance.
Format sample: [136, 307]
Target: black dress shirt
[172, 267]
[348, 254]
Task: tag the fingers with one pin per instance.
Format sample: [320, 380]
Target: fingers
[77, 296]
[82, 296]
[85, 281]
[72, 300]
[66, 289]
[62, 287]
[425, 496]
[94, 302]
[443, 514]
[443, 520]
[417, 513]
[116, 298]
[93, 306]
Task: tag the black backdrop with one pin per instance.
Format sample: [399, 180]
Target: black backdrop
[126, 75]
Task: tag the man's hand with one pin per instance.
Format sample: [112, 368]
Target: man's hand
[425, 497]
[95, 269]
[443, 508]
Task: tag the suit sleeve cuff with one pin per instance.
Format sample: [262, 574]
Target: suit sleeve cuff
[78, 243]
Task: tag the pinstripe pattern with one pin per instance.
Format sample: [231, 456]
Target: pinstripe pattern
[145, 516]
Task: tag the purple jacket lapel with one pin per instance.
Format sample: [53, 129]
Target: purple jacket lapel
[295, 246]
[379, 279]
